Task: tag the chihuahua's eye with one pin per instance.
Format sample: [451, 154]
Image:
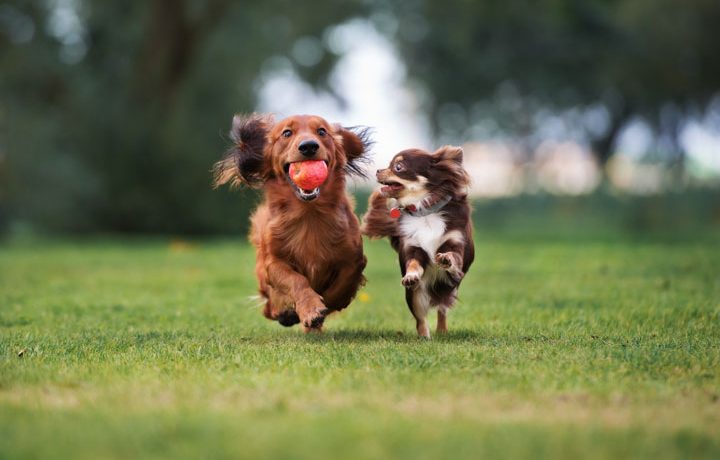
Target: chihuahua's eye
[287, 133]
[321, 131]
[398, 167]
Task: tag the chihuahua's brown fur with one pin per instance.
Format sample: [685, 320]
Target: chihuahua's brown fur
[432, 230]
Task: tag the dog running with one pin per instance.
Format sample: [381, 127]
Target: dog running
[422, 208]
[310, 257]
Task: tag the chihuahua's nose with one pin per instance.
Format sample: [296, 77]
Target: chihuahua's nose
[308, 147]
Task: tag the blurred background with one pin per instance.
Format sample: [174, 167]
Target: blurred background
[600, 116]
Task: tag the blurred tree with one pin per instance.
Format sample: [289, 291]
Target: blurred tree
[513, 60]
[111, 113]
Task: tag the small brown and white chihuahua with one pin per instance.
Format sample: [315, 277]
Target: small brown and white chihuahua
[423, 209]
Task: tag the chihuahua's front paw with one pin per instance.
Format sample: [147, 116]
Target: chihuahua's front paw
[444, 260]
[451, 262]
[411, 280]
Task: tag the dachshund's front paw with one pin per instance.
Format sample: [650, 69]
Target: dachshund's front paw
[314, 321]
[312, 312]
[288, 318]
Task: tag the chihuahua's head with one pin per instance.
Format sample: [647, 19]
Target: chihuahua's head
[415, 175]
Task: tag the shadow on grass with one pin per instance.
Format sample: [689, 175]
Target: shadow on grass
[388, 335]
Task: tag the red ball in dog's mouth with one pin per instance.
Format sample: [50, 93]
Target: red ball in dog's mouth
[308, 175]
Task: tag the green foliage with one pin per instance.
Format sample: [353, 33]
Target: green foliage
[510, 61]
[558, 349]
[112, 124]
[123, 139]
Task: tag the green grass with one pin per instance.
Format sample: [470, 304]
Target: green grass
[558, 349]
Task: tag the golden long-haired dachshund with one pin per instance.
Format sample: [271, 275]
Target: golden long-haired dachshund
[310, 257]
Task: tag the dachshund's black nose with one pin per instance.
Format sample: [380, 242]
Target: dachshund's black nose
[308, 148]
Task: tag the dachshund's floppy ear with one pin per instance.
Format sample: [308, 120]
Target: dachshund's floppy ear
[243, 163]
[356, 144]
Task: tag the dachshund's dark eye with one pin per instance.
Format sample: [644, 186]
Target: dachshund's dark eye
[399, 167]
[321, 131]
[287, 133]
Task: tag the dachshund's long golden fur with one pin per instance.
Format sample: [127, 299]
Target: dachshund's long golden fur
[309, 250]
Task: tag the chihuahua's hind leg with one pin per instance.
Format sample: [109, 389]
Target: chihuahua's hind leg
[418, 301]
[442, 320]
[446, 300]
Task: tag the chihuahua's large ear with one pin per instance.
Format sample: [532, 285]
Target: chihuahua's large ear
[244, 161]
[449, 158]
[449, 153]
[356, 143]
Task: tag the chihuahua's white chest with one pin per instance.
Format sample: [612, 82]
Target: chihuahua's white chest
[426, 232]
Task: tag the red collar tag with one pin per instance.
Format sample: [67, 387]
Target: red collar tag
[395, 213]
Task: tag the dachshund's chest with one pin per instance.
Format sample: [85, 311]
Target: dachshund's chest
[316, 244]
[319, 253]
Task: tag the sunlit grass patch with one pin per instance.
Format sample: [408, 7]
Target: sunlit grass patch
[556, 350]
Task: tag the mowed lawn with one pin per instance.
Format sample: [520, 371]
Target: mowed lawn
[558, 349]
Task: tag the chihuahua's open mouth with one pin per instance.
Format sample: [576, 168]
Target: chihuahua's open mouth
[390, 187]
[302, 194]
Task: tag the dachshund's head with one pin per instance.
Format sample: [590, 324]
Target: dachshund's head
[265, 149]
[414, 175]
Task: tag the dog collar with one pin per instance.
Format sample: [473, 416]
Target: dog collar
[431, 207]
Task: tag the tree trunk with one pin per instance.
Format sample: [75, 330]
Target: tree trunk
[604, 147]
[165, 53]
[169, 45]
[676, 161]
